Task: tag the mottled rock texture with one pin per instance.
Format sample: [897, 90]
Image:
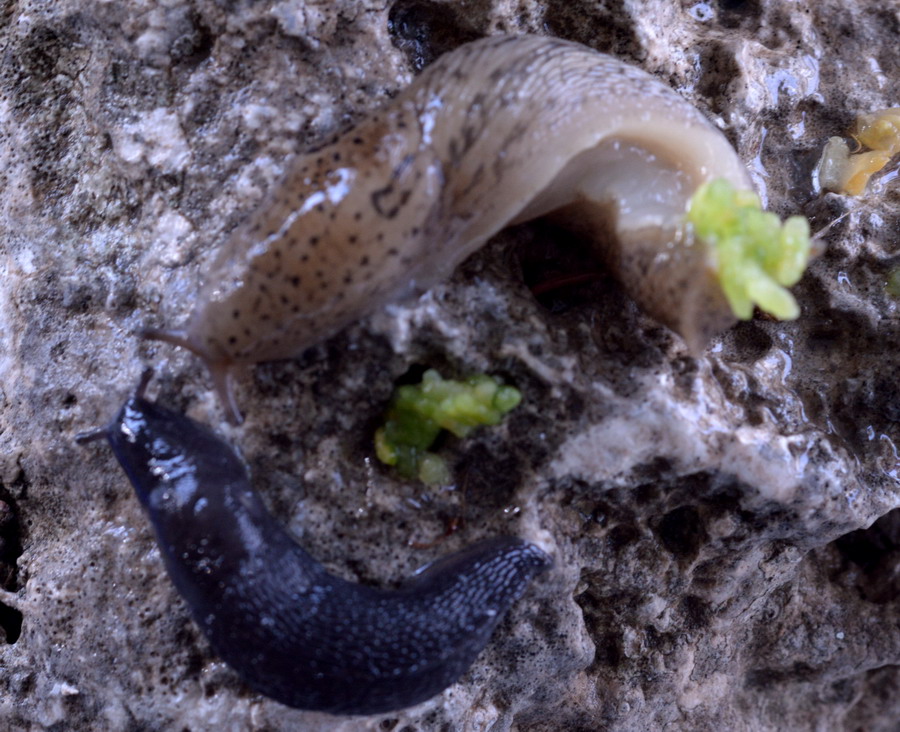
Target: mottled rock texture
[725, 528]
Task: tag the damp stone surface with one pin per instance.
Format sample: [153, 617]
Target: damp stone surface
[725, 528]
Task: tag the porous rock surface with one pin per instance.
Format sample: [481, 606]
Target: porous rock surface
[725, 528]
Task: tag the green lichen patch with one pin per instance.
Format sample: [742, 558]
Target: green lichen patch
[418, 413]
[892, 286]
[754, 255]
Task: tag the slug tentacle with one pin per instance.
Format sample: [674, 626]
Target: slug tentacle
[220, 368]
[499, 131]
[290, 629]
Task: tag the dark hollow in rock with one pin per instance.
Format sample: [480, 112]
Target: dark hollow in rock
[424, 30]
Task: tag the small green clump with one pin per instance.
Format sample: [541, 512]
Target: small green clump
[418, 412]
[892, 287]
[754, 255]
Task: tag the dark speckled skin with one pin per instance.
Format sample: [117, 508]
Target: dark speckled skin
[290, 629]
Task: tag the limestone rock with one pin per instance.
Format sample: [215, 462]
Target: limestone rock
[725, 529]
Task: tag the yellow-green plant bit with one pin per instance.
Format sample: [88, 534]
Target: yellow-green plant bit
[754, 255]
[878, 135]
[419, 412]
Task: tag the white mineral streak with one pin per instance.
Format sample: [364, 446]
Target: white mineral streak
[695, 436]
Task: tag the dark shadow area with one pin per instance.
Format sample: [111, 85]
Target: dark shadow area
[425, 30]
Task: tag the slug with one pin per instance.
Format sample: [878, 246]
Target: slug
[499, 131]
[291, 630]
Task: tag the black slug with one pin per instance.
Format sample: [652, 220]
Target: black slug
[291, 630]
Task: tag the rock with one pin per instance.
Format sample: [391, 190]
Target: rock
[725, 528]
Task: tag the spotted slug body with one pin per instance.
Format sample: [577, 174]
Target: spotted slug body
[499, 131]
[291, 630]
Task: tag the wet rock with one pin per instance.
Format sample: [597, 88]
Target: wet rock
[725, 528]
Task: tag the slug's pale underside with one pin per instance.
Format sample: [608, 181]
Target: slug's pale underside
[291, 630]
[500, 131]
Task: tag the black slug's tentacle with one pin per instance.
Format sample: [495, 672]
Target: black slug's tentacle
[290, 629]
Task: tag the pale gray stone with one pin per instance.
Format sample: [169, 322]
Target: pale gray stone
[725, 529]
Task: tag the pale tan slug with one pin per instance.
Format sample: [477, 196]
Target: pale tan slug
[499, 131]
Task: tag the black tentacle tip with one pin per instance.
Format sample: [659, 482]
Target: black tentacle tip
[99, 433]
[92, 435]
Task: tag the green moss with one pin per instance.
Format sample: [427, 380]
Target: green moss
[893, 283]
[754, 255]
[419, 412]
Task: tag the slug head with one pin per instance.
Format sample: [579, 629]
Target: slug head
[157, 447]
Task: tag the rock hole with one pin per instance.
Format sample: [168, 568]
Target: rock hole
[488, 472]
[607, 26]
[10, 550]
[719, 68]
[608, 650]
[193, 47]
[735, 13]
[561, 270]
[681, 532]
[425, 30]
[876, 551]
[10, 624]
[622, 536]
[413, 375]
[767, 678]
[747, 342]
[696, 612]
[601, 620]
